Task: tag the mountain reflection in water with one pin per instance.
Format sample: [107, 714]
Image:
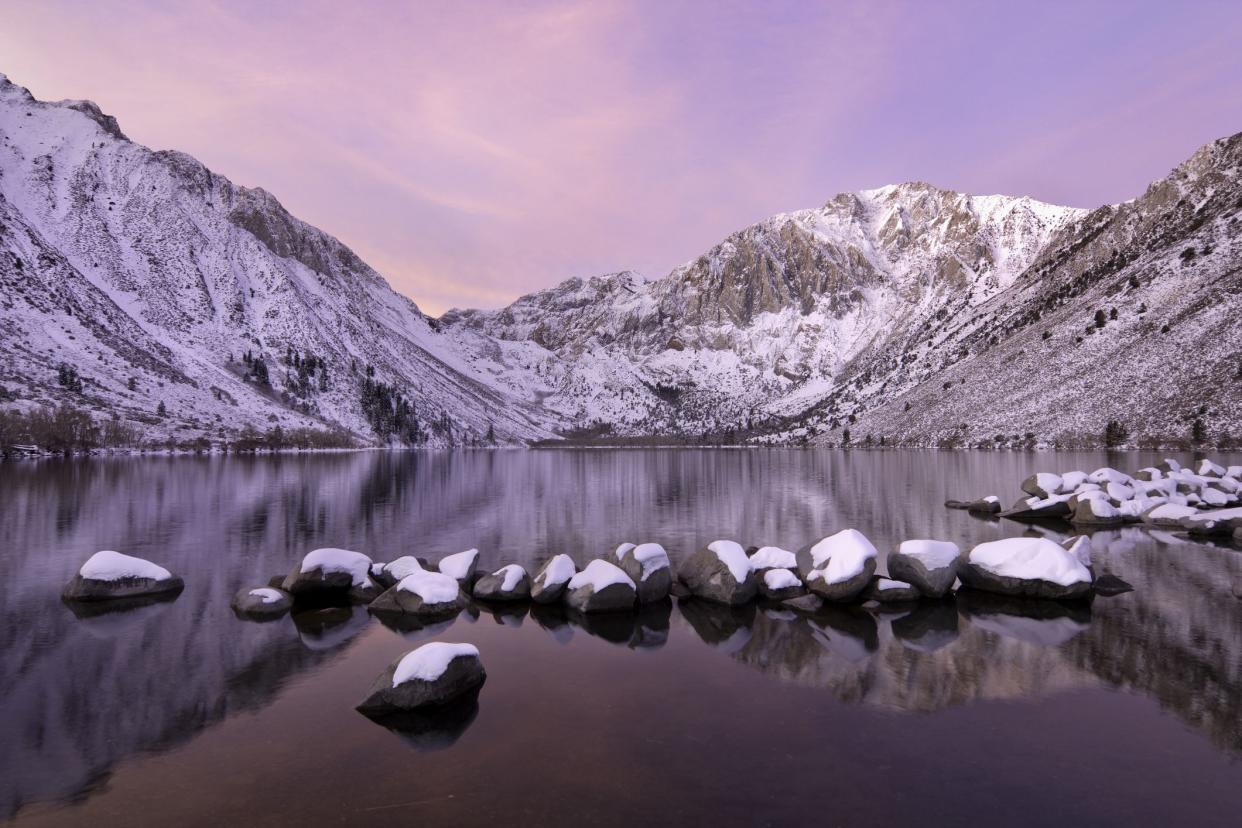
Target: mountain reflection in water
[80, 695]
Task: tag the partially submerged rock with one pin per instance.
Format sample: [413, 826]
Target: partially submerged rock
[1108, 585]
[1031, 567]
[648, 566]
[388, 574]
[109, 575]
[261, 602]
[422, 593]
[332, 572]
[929, 565]
[509, 583]
[434, 675]
[780, 584]
[601, 587]
[1095, 511]
[888, 591]
[839, 567]
[1055, 507]
[720, 572]
[552, 579]
[1042, 485]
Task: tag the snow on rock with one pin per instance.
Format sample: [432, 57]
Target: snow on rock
[431, 587]
[772, 557]
[344, 561]
[261, 603]
[433, 675]
[838, 567]
[1042, 484]
[1168, 514]
[267, 595]
[509, 583]
[780, 584]
[601, 587]
[1096, 510]
[108, 574]
[1034, 567]
[430, 661]
[460, 566]
[720, 572]
[648, 566]
[113, 566]
[1209, 469]
[930, 566]
[422, 594]
[1080, 548]
[551, 580]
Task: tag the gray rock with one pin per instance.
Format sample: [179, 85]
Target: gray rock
[1032, 485]
[979, 578]
[88, 589]
[889, 591]
[707, 576]
[583, 596]
[932, 581]
[409, 602]
[1108, 585]
[329, 584]
[783, 585]
[840, 591]
[246, 602]
[1056, 509]
[491, 587]
[463, 676]
[464, 566]
[651, 558]
[543, 592]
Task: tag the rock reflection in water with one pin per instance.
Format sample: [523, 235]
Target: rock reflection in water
[433, 729]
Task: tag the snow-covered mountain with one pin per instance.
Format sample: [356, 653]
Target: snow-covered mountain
[914, 315]
[908, 313]
[158, 281]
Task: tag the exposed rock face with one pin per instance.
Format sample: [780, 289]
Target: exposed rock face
[601, 587]
[111, 576]
[648, 566]
[550, 582]
[1026, 567]
[929, 566]
[509, 583]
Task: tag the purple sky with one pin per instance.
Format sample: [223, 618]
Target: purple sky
[473, 152]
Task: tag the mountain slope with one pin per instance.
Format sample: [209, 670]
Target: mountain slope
[152, 276]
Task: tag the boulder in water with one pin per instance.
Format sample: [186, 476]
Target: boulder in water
[930, 566]
[261, 602]
[720, 572]
[839, 567]
[601, 587]
[461, 566]
[434, 675]
[423, 594]
[888, 591]
[648, 566]
[552, 579]
[109, 575]
[332, 573]
[509, 583]
[1029, 567]
[780, 584]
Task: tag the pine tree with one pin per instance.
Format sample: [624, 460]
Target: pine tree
[1198, 432]
[1100, 319]
[491, 433]
[1115, 434]
[162, 410]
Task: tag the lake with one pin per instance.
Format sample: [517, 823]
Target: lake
[1126, 712]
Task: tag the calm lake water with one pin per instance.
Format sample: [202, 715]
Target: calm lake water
[1127, 712]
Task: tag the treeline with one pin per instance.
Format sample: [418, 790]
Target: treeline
[68, 430]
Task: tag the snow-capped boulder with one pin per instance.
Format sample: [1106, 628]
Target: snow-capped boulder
[1215, 498]
[261, 602]
[328, 571]
[989, 505]
[552, 579]
[1213, 522]
[1095, 511]
[615, 556]
[648, 566]
[461, 566]
[772, 557]
[1055, 507]
[720, 572]
[1106, 475]
[780, 584]
[928, 565]
[1209, 469]
[1042, 485]
[1168, 466]
[108, 575]
[1071, 480]
[601, 587]
[1031, 567]
[434, 675]
[388, 574]
[888, 591]
[1149, 474]
[509, 583]
[422, 593]
[1168, 514]
[839, 567]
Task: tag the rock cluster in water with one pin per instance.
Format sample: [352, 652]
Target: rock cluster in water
[1205, 500]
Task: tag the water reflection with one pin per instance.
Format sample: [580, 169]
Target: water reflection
[80, 694]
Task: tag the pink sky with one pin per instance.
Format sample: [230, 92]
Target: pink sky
[473, 152]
